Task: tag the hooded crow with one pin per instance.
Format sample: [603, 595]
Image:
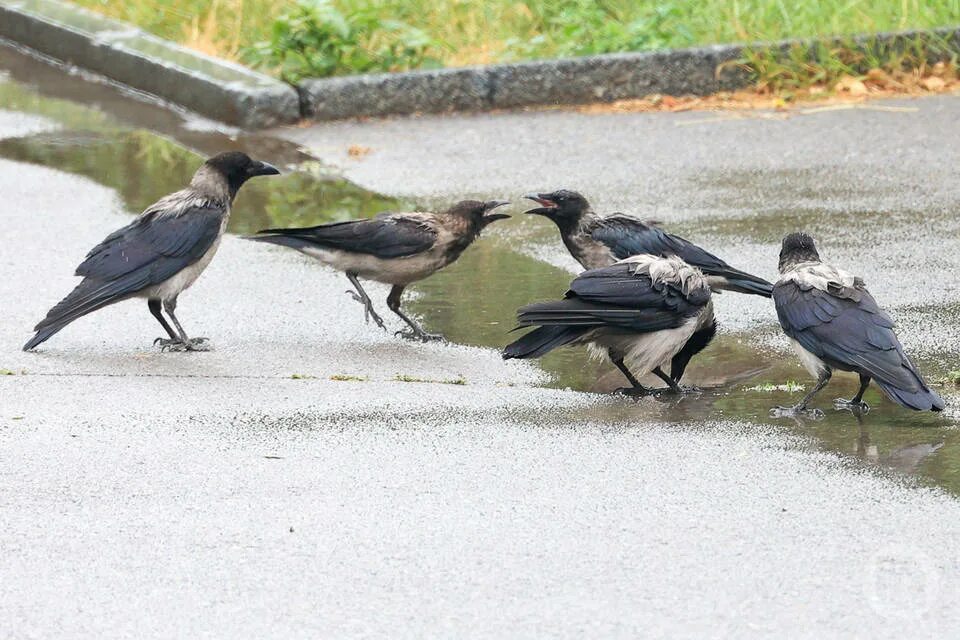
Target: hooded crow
[160, 253]
[393, 248]
[834, 323]
[597, 241]
[641, 310]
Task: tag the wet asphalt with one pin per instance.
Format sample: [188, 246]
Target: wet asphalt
[248, 493]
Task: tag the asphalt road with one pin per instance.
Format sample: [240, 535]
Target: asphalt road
[215, 495]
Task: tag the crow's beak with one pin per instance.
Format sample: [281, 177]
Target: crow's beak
[543, 199]
[263, 169]
[489, 217]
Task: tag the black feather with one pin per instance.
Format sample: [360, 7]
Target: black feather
[627, 236]
[385, 236]
[147, 252]
[540, 341]
[852, 333]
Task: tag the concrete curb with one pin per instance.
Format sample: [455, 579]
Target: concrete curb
[569, 81]
[221, 90]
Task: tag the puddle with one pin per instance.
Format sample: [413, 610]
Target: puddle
[144, 152]
[143, 167]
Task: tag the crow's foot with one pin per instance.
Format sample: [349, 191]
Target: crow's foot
[193, 344]
[682, 389]
[368, 311]
[849, 405]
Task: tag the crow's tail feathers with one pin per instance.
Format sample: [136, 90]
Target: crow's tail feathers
[542, 340]
[280, 237]
[88, 296]
[922, 399]
[741, 282]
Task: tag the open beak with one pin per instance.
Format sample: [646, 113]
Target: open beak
[489, 217]
[263, 169]
[546, 204]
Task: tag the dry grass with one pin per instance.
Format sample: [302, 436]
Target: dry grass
[877, 83]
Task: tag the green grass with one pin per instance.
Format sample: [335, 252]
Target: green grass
[291, 37]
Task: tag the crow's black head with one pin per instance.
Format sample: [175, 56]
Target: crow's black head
[237, 167]
[563, 206]
[797, 248]
[478, 212]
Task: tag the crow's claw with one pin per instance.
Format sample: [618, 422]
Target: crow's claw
[194, 344]
[850, 405]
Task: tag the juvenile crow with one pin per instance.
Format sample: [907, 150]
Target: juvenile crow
[160, 253]
[597, 241]
[393, 248]
[834, 323]
[641, 311]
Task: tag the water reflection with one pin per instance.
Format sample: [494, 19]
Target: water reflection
[143, 167]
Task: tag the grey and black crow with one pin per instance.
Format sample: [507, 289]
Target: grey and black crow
[392, 248]
[160, 253]
[834, 323]
[639, 311]
[597, 241]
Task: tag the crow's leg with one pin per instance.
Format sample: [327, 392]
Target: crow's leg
[361, 296]
[856, 403]
[635, 389]
[154, 306]
[801, 407]
[184, 343]
[674, 386]
[415, 332]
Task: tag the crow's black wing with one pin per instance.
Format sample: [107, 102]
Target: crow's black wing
[615, 296]
[156, 245]
[148, 251]
[854, 332]
[386, 236]
[628, 236]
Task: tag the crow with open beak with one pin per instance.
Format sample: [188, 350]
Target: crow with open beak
[596, 241]
[639, 312]
[161, 253]
[393, 248]
[834, 323]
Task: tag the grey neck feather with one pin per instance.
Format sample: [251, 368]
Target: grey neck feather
[209, 182]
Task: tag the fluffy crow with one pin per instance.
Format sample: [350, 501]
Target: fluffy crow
[160, 253]
[641, 311]
[597, 241]
[834, 323]
[393, 248]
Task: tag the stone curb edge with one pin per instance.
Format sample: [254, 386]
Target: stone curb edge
[570, 81]
[214, 88]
